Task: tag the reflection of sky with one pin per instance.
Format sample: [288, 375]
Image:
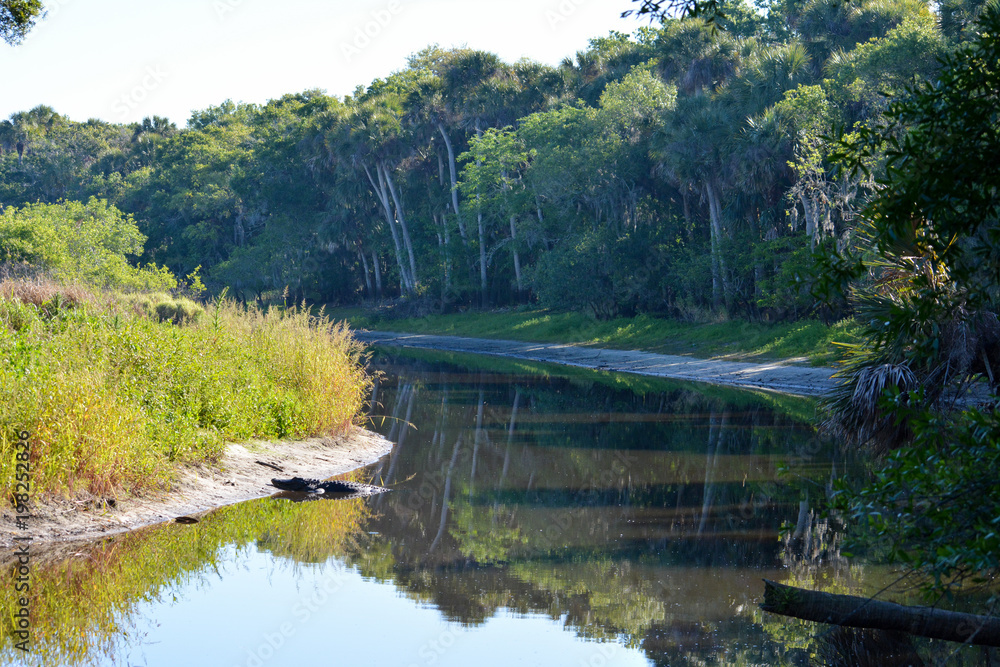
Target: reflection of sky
[233, 619]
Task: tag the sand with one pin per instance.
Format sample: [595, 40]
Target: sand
[785, 377]
[244, 473]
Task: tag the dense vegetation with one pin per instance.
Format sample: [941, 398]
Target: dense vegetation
[112, 395]
[685, 171]
[116, 375]
[681, 171]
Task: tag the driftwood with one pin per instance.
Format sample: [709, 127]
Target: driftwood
[858, 612]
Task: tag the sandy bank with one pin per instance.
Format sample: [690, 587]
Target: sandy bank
[244, 473]
[780, 377]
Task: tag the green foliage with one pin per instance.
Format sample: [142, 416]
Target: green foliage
[936, 503]
[111, 397]
[734, 338]
[461, 178]
[17, 17]
[929, 311]
[884, 66]
[77, 242]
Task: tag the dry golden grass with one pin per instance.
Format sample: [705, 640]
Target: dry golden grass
[112, 398]
[42, 292]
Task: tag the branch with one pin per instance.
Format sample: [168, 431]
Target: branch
[859, 612]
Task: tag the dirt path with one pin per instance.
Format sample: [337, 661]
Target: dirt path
[799, 380]
[244, 473]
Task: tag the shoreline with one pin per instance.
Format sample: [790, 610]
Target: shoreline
[777, 377]
[244, 473]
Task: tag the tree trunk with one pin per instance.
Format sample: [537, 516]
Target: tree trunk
[482, 260]
[368, 274]
[517, 256]
[454, 181]
[378, 276]
[686, 204]
[447, 261]
[859, 612]
[447, 491]
[484, 300]
[811, 211]
[383, 197]
[402, 224]
[714, 227]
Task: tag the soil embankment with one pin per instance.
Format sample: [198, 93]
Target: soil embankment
[244, 473]
[780, 377]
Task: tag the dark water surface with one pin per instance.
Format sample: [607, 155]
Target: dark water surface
[537, 518]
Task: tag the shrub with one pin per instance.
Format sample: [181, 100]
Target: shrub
[85, 243]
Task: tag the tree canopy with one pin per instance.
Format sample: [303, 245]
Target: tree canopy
[17, 18]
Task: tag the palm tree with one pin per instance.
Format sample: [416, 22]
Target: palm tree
[32, 126]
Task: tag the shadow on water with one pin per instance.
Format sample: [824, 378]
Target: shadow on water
[636, 512]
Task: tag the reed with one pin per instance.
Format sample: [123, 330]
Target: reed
[114, 395]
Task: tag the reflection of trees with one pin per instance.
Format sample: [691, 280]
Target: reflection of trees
[84, 597]
[485, 535]
[647, 517]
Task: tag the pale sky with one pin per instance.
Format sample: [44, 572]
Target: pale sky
[122, 60]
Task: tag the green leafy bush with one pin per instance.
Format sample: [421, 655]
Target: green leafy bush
[80, 242]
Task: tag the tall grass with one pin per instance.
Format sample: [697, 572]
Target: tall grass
[112, 395]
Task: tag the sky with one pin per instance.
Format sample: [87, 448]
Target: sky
[123, 60]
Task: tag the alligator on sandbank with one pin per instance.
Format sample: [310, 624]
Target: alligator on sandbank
[327, 488]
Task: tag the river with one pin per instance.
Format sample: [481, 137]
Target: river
[539, 516]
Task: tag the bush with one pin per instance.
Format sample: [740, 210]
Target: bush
[81, 243]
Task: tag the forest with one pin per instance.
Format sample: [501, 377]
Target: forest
[683, 171]
[787, 160]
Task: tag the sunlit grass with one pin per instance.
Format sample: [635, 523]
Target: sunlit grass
[112, 396]
[808, 339]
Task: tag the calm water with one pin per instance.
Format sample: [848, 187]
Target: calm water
[536, 519]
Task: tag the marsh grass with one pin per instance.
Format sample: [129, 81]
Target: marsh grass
[112, 395]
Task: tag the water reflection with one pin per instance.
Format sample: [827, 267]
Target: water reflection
[643, 517]
[577, 518]
[86, 597]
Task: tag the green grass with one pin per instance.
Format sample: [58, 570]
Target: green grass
[800, 408]
[810, 340]
[114, 396]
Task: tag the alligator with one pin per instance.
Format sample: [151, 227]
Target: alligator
[333, 488]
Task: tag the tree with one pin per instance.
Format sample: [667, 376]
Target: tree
[17, 18]
[79, 242]
[930, 308]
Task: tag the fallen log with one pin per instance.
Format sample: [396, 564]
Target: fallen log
[858, 612]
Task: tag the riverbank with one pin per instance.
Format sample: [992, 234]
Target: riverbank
[799, 380]
[809, 341]
[243, 473]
